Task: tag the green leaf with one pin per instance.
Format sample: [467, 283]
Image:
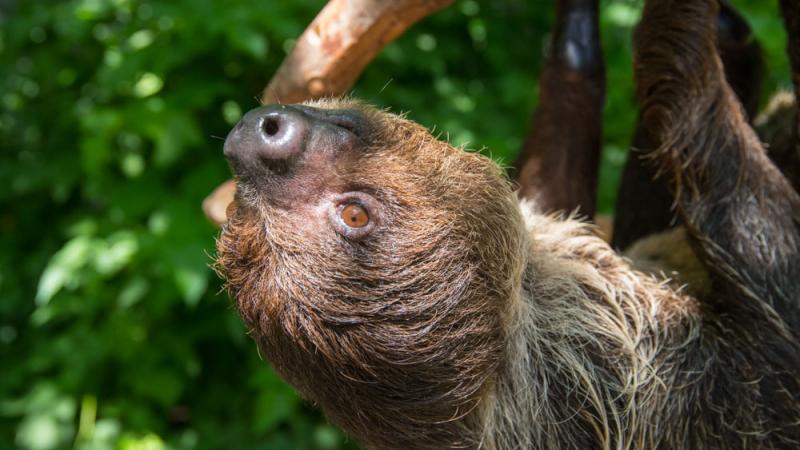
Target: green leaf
[40, 432]
[191, 282]
[622, 15]
[147, 442]
[273, 406]
[115, 253]
[148, 84]
[63, 268]
[173, 138]
[249, 41]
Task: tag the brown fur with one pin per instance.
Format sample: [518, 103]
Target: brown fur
[467, 320]
[644, 204]
[397, 357]
[742, 220]
[466, 327]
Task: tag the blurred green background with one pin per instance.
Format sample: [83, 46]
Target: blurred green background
[113, 330]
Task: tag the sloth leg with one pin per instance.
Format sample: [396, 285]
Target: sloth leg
[741, 214]
[557, 166]
[644, 205]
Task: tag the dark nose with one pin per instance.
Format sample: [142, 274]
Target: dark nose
[269, 135]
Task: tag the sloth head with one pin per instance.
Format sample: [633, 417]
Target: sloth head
[374, 265]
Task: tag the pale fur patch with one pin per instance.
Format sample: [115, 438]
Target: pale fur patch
[668, 255]
[585, 324]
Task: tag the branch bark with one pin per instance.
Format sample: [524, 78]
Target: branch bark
[330, 55]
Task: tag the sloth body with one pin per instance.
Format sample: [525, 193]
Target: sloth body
[465, 319]
[399, 284]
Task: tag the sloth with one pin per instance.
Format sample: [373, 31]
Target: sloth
[402, 286]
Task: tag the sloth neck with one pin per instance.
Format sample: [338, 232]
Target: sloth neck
[586, 363]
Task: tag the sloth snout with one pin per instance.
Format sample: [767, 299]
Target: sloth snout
[267, 137]
[274, 138]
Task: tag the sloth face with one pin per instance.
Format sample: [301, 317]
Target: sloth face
[373, 263]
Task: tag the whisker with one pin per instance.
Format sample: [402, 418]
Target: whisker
[388, 82]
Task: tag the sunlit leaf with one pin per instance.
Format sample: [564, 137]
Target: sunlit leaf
[141, 39]
[192, 283]
[146, 442]
[147, 85]
[40, 432]
[115, 253]
[622, 14]
[91, 9]
[63, 267]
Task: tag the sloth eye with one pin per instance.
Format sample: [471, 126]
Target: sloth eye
[355, 216]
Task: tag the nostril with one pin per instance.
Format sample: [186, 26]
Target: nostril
[271, 126]
[281, 134]
[268, 138]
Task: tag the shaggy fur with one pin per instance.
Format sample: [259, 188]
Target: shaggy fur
[644, 201]
[593, 351]
[400, 336]
[467, 320]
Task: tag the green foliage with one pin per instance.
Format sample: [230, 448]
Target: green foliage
[113, 333]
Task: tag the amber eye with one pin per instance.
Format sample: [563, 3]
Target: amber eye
[355, 216]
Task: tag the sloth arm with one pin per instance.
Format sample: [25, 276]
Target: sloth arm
[740, 213]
